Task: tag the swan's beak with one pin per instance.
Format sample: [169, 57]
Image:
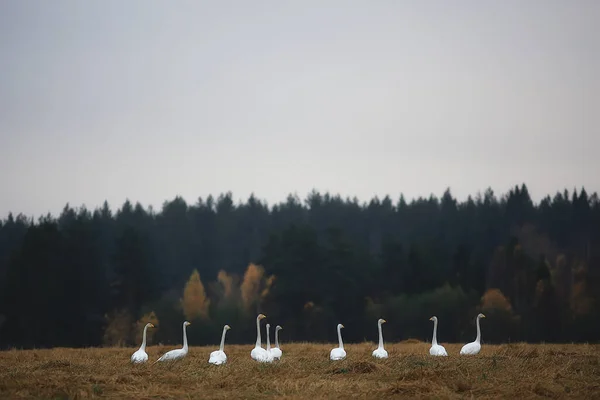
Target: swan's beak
[482, 316]
[431, 319]
[261, 316]
[342, 326]
[383, 321]
[227, 327]
[151, 325]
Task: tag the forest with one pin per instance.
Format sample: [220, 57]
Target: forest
[95, 277]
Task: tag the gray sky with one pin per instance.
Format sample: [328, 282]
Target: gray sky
[148, 99]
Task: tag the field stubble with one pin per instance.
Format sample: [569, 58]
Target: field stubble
[504, 371]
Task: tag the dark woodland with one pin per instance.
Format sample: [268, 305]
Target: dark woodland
[95, 277]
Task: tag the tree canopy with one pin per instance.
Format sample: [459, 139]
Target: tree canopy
[94, 277]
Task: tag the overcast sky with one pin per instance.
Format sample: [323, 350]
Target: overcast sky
[148, 99]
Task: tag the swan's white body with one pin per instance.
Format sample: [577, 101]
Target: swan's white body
[473, 347]
[436, 349]
[380, 352]
[338, 353]
[140, 356]
[219, 357]
[177, 354]
[276, 351]
[258, 353]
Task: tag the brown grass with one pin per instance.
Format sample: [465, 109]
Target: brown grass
[523, 371]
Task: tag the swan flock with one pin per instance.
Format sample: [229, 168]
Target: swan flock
[269, 354]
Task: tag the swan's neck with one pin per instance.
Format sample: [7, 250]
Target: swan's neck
[478, 339]
[268, 341]
[257, 332]
[380, 336]
[434, 340]
[185, 345]
[223, 339]
[340, 337]
[143, 346]
[277, 338]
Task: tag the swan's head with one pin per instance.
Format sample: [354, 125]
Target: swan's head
[186, 323]
[261, 316]
[227, 327]
[278, 328]
[268, 326]
[340, 326]
[434, 318]
[381, 321]
[150, 325]
[481, 315]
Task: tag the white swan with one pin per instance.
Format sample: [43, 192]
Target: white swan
[276, 351]
[177, 354]
[436, 349]
[269, 354]
[380, 352]
[258, 353]
[473, 347]
[219, 357]
[141, 356]
[338, 353]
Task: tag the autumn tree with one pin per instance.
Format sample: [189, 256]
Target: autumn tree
[141, 323]
[255, 286]
[195, 303]
[118, 328]
[226, 282]
[493, 299]
[501, 323]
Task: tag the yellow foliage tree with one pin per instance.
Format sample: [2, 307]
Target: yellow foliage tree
[502, 323]
[255, 286]
[493, 299]
[267, 286]
[139, 327]
[118, 329]
[226, 281]
[195, 303]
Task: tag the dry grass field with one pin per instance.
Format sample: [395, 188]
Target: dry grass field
[508, 371]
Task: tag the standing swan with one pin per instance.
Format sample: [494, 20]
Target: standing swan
[380, 352]
[177, 354]
[219, 357]
[276, 351]
[436, 349]
[140, 356]
[338, 353]
[474, 347]
[258, 353]
[269, 354]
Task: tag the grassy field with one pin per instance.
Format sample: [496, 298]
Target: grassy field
[506, 371]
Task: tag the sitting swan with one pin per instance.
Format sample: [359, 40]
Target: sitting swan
[473, 347]
[176, 354]
[269, 353]
[276, 351]
[436, 349]
[338, 353]
[380, 352]
[258, 353]
[140, 356]
[219, 357]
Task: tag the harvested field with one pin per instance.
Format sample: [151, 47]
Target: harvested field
[523, 371]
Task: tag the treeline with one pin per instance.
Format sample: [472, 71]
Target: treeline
[90, 278]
